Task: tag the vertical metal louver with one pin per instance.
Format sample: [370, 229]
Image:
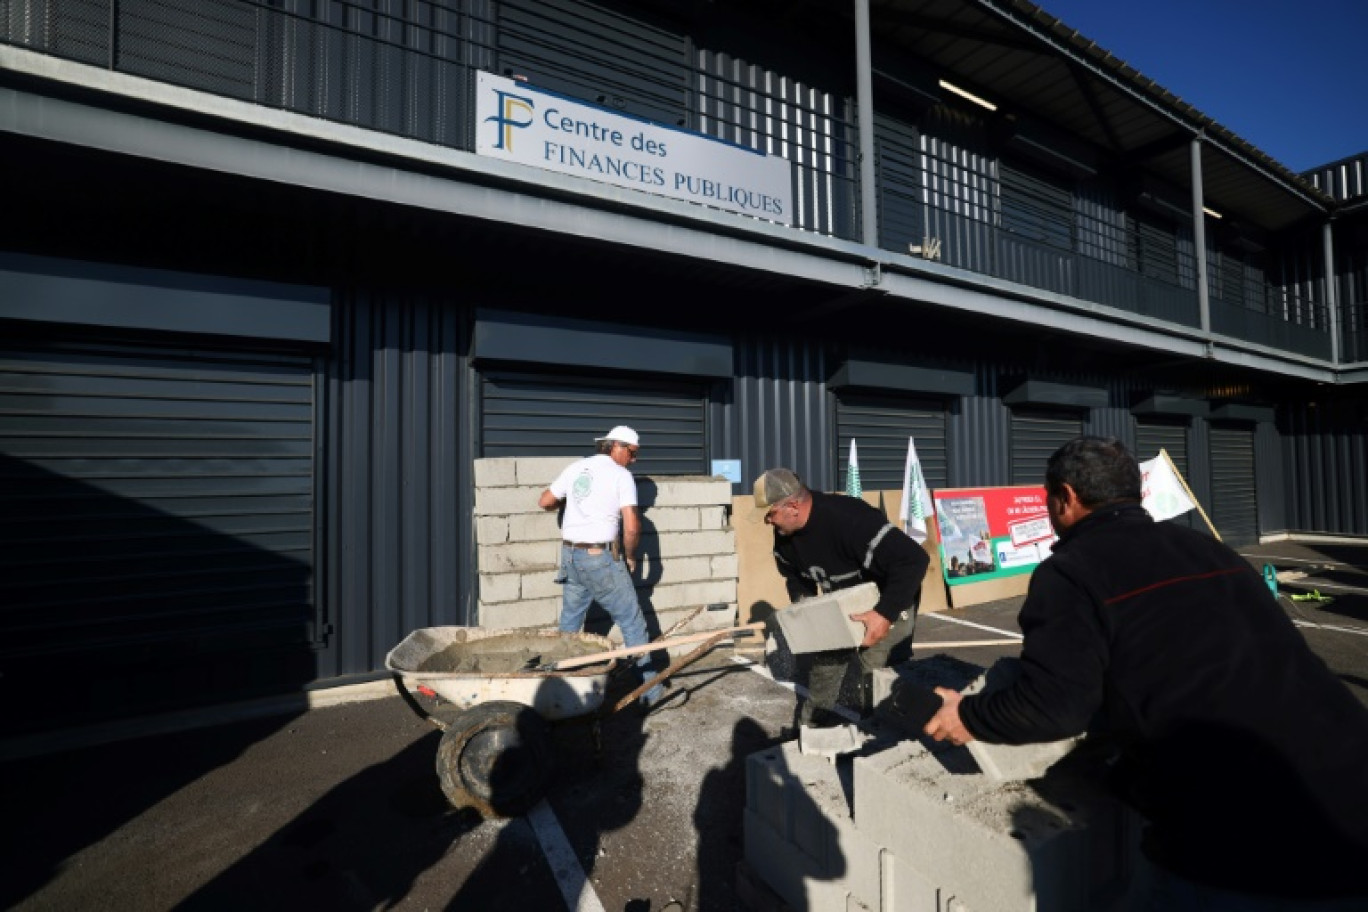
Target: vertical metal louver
[880, 428]
[544, 415]
[1035, 437]
[154, 498]
[597, 55]
[1234, 492]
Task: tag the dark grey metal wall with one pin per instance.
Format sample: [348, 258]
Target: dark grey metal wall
[1325, 469]
[880, 425]
[544, 414]
[1234, 505]
[398, 475]
[780, 412]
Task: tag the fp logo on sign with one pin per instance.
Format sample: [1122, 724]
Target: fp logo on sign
[510, 108]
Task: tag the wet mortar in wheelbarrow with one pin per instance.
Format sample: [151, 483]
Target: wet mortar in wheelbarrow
[496, 750]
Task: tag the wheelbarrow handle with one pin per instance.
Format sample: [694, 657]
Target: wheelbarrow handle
[595, 658]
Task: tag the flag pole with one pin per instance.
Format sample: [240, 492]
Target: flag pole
[1192, 497]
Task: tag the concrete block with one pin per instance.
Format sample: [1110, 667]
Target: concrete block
[714, 517]
[542, 470]
[491, 530]
[802, 801]
[518, 557]
[673, 519]
[688, 492]
[793, 875]
[499, 587]
[1048, 844]
[691, 544]
[691, 595]
[506, 501]
[539, 585]
[726, 565]
[495, 473]
[511, 615]
[823, 623]
[906, 890]
[1007, 762]
[529, 527]
[831, 742]
[674, 570]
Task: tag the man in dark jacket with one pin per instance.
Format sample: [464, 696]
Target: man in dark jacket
[825, 542]
[1247, 757]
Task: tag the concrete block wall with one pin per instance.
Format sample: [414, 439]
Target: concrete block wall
[687, 556]
[912, 826]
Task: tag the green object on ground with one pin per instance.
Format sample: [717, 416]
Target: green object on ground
[1312, 596]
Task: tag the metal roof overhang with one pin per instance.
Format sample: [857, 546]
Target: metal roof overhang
[1014, 54]
[678, 239]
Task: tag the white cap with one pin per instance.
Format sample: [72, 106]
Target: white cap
[622, 434]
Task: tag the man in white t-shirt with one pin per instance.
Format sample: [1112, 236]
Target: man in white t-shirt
[599, 497]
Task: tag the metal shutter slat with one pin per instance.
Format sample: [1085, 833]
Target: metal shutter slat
[1234, 494]
[539, 415]
[129, 517]
[880, 428]
[1035, 437]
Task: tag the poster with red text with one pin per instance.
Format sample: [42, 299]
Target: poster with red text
[990, 533]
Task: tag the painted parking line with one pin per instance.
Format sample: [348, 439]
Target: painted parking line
[942, 617]
[570, 877]
[1357, 631]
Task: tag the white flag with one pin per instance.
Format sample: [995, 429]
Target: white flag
[916, 499]
[1162, 491]
[853, 487]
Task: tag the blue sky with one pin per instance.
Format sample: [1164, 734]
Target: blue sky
[1289, 77]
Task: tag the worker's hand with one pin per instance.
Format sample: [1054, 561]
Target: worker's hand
[875, 624]
[631, 565]
[945, 725]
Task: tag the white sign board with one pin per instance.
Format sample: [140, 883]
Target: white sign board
[518, 122]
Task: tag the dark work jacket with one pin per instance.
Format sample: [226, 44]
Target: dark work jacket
[1246, 755]
[841, 543]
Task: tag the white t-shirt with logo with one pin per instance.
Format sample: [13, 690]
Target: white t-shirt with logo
[595, 490]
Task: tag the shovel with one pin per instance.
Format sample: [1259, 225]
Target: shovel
[665, 643]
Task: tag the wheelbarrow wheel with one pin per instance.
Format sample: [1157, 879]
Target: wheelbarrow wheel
[495, 758]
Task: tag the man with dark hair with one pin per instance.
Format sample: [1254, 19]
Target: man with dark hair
[825, 542]
[1246, 756]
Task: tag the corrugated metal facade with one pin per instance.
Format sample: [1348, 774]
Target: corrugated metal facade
[400, 408]
[1325, 472]
[399, 478]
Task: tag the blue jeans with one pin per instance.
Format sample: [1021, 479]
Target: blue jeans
[590, 578]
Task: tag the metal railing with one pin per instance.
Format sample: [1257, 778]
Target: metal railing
[412, 74]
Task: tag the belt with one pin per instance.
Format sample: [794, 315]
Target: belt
[586, 545]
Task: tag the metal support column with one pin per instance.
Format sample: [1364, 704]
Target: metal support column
[864, 102]
[1332, 314]
[1199, 236]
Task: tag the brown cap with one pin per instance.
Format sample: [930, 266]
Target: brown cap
[771, 487]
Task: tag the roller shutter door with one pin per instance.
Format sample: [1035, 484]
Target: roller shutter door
[1153, 435]
[1035, 437]
[543, 415]
[1234, 493]
[154, 507]
[880, 428]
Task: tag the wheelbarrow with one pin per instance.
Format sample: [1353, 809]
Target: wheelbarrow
[495, 755]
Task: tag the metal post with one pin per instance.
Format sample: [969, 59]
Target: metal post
[1331, 298]
[864, 103]
[1199, 236]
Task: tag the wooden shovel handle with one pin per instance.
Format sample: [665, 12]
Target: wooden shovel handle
[595, 658]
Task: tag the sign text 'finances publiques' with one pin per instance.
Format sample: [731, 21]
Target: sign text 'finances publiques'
[519, 122]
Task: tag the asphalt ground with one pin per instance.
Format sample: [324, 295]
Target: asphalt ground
[339, 808]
